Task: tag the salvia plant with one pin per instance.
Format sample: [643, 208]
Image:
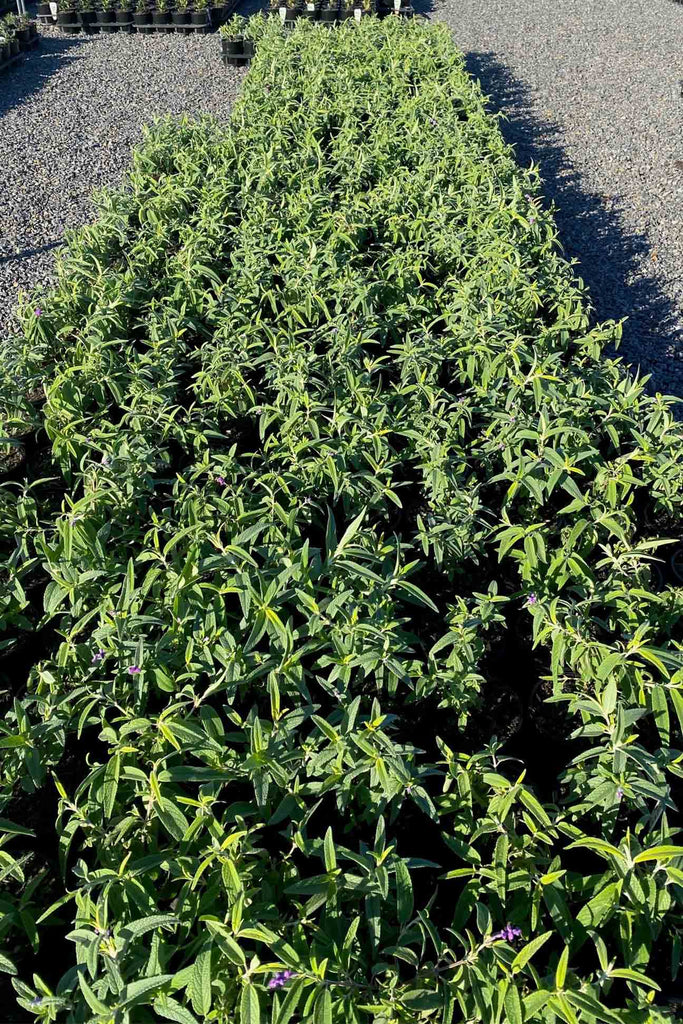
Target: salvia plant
[338, 683]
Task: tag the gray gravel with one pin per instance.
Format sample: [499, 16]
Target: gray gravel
[592, 90]
[69, 115]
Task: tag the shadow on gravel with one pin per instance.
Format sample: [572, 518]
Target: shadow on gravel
[589, 231]
[29, 75]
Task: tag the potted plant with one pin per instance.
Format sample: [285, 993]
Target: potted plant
[4, 48]
[141, 16]
[67, 16]
[123, 14]
[310, 10]
[23, 30]
[106, 17]
[161, 16]
[44, 11]
[89, 15]
[200, 17]
[180, 14]
[329, 12]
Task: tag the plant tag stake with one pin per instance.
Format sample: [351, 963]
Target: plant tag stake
[53, 9]
[283, 14]
[357, 13]
[310, 7]
[397, 5]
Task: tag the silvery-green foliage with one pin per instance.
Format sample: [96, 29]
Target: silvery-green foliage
[324, 431]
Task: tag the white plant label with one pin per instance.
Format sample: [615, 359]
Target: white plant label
[310, 7]
[397, 5]
[357, 13]
[53, 9]
[283, 14]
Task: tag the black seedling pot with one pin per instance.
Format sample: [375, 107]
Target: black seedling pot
[233, 46]
[161, 19]
[141, 18]
[33, 30]
[199, 17]
[14, 47]
[329, 14]
[178, 17]
[23, 35]
[248, 47]
[67, 18]
[44, 10]
[123, 18]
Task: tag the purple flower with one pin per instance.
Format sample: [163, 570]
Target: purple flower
[38, 311]
[432, 121]
[532, 220]
[220, 480]
[527, 196]
[280, 979]
[37, 1001]
[98, 656]
[620, 793]
[509, 933]
[134, 670]
[531, 599]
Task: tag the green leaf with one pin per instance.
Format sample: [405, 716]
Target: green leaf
[199, 989]
[561, 971]
[658, 853]
[170, 1009]
[404, 892]
[291, 1001]
[525, 954]
[513, 1005]
[137, 989]
[635, 976]
[6, 966]
[322, 1011]
[250, 1009]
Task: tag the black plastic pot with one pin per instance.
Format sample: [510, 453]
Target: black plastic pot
[102, 17]
[329, 15]
[123, 18]
[233, 46]
[44, 11]
[161, 19]
[178, 17]
[89, 20]
[199, 18]
[14, 46]
[33, 30]
[249, 48]
[23, 35]
[4, 52]
[68, 19]
[141, 18]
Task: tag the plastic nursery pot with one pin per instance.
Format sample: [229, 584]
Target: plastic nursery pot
[329, 14]
[33, 30]
[123, 18]
[14, 47]
[44, 11]
[23, 35]
[141, 18]
[4, 52]
[200, 20]
[68, 21]
[233, 46]
[249, 48]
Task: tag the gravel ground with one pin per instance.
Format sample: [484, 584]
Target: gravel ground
[592, 90]
[69, 115]
[593, 93]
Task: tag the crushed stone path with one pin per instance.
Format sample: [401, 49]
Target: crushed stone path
[593, 90]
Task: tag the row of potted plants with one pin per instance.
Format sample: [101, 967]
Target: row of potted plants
[332, 11]
[187, 16]
[17, 33]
